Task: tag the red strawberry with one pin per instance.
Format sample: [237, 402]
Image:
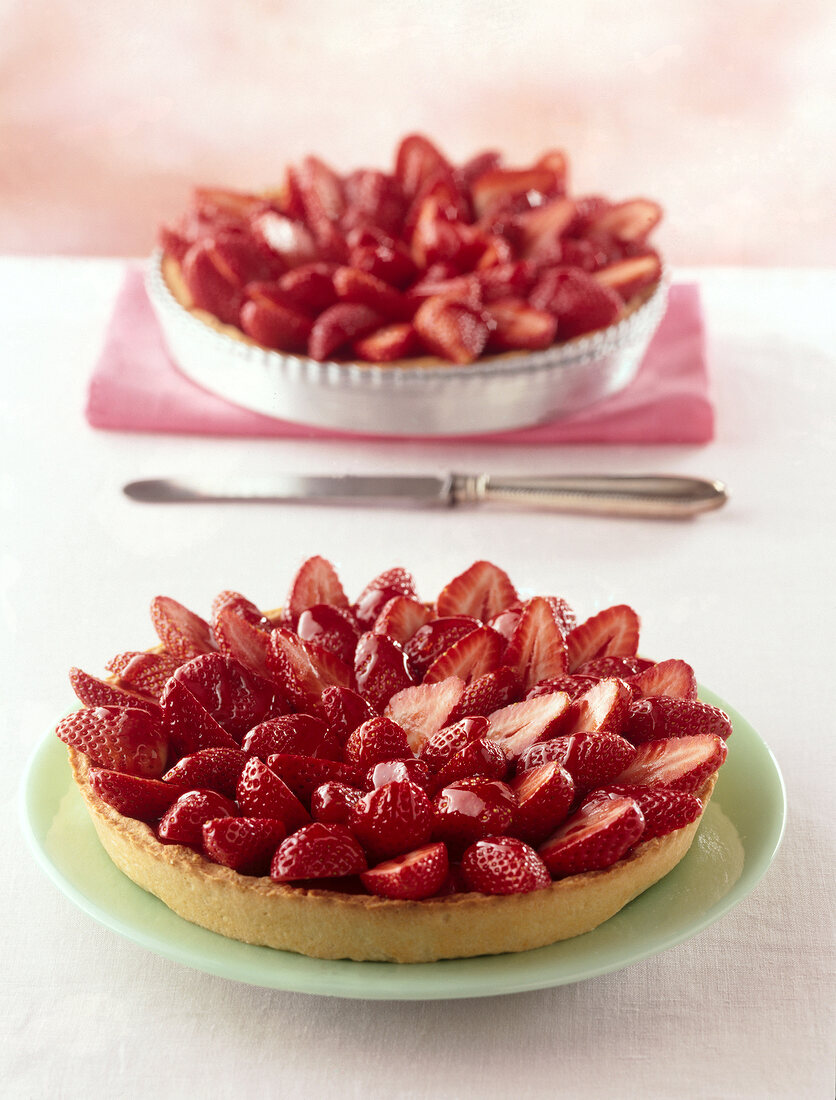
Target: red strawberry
[316, 582]
[563, 614]
[571, 683]
[482, 591]
[217, 769]
[332, 628]
[373, 198]
[538, 229]
[273, 323]
[378, 592]
[664, 809]
[304, 774]
[340, 325]
[628, 221]
[594, 837]
[519, 725]
[451, 330]
[243, 607]
[261, 793]
[603, 708]
[376, 740]
[470, 809]
[235, 697]
[544, 797]
[606, 667]
[488, 693]
[391, 771]
[516, 325]
[246, 844]
[303, 669]
[286, 238]
[683, 763]
[309, 288]
[132, 795]
[323, 199]
[628, 277]
[389, 260]
[380, 669]
[423, 709]
[503, 865]
[536, 650]
[248, 644]
[416, 161]
[332, 801]
[365, 289]
[580, 303]
[673, 677]
[409, 877]
[472, 169]
[479, 757]
[613, 632]
[497, 187]
[183, 634]
[401, 617]
[663, 716]
[434, 638]
[124, 739]
[99, 693]
[317, 851]
[505, 623]
[182, 823]
[212, 283]
[388, 344]
[145, 673]
[188, 725]
[392, 819]
[299, 734]
[474, 655]
[344, 711]
[437, 750]
[591, 759]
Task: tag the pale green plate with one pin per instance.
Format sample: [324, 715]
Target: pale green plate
[737, 840]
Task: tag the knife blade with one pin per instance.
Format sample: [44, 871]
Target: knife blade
[661, 496]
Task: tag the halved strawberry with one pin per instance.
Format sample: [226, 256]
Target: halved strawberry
[235, 697]
[607, 667]
[317, 851]
[378, 592]
[373, 199]
[514, 324]
[246, 643]
[470, 809]
[498, 186]
[274, 323]
[339, 326]
[613, 632]
[182, 633]
[124, 739]
[673, 677]
[217, 769]
[260, 793]
[569, 682]
[664, 809]
[519, 725]
[309, 288]
[537, 229]
[481, 757]
[421, 710]
[488, 693]
[389, 260]
[323, 199]
[344, 710]
[246, 844]
[332, 628]
[94, 692]
[434, 638]
[287, 238]
[602, 708]
[628, 221]
[388, 344]
[332, 801]
[145, 673]
[305, 774]
[213, 285]
[303, 670]
[451, 329]
[316, 582]
[391, 771]
[409, 877]
[579, 303]
[683, 763]
[503, 865]
[474, 655]
[597, 835]
[242, 607]
[132, 795]
[188, 725]
[380, 669]
[183, 821]
[416, 161]
[376, 740]
[544, 797]
[401, 617]
[301, 734]
[661, 716]
[442, 746]
[591, 759]
[481, 591]
[352, 285]
[536, 650]
[392, 819]
[628, 277]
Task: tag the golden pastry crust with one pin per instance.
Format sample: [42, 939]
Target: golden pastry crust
[325, 924]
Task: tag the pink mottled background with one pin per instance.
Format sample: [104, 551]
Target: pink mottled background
[724, 112]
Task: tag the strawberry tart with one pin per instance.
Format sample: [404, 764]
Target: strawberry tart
[391, 779]
[429, 262]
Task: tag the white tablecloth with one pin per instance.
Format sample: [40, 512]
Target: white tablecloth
[744, 1009]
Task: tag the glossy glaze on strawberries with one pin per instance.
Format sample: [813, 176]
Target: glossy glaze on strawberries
[433, 258]
[448, 745]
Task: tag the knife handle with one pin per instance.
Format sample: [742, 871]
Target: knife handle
[663, 496]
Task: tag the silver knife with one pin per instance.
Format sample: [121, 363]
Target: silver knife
[651, 495]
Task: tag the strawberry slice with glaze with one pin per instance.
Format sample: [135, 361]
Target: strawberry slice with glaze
[597, 835]
[94, 692]
[187, 724]
[416, 161]
[391, 771]
[339, 326]
[536, 230]
[316, 582]
[377, 740]
[132, 795]
[380, 669]
[332, 801]
[613, 632]
[657, 717]
[451, 329]
[602, 708]
[536, 650]
[591, 759]
[570, 682]
[519, 725]
[272, 322]
[480, 757]
[576, 299]
[235, 697]
[246, 844]
[434, 638]
[664, 810]
[310, 288]
[497, 187]
[481, 592]
[261, 793]
[378, 592]
[332, 628]
[388, 344]
[183, 821]
[217, 769]
[182, 633]
[423, 709]
[367, 290]
[317, 851]
[303, 670]
[628, 221]
[673, 677]
[515, 325]
[544, 797]
[401, 617]
[606, 667]
[470, 809]
[344, 710]
[437, 750]
[300, 734]
[473, 656]
[306, 774]
[412, 876]
[242, 607]
[241, 639]
[628, 277]
[392, 819]
[683, 763]
[488, 693]
[123, 739]
[145, 673]
[503, 865]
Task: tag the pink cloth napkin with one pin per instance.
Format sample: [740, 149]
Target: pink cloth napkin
[136, 387]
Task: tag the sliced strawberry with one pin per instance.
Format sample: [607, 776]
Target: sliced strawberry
[683, 763]
[470, 809]
[94, 692]
[332, 628]
[212, 284]
[488, 693]
[481, 591]
[503, 865]
[182, 633]
[242, 607]
[323, 199]
[183, 821]
[594, 837]
[275, 325]
[434, 638]
[537, 229]
[317, 851]
[416, 161]
[132, 795]
[664, 810]
[451, 330]
[628, 221]
[571, 683]
[309, 289]
[332, 801]
[474, 655]
[392, 771]
[248, 644]
[579, 303]
[442, 746]
[591, 759]
[475, 167]
[515, 325]
[246, 844]
[373, 199]
[498, 186]
[287, 238]
[629, 277]
[657, 717]
[536, 650]
[235, 697]
[544, 797]
[613, 632]
[519, 725]
[316, 582]
[380, 669]
[344, 710]
[481, 757]
[339, 326]
[260, 793]
[423, 709]
[305, 774]
[217, 769]
[376, 740]
[188, 725]
[364, 289]
[603, 708]
[124, 739]
[303, 670]
[388, 344]
[674, 677]
[607, 667]
[378, 592]
[401, 617]
[392, 819]
[563, 614]
[145, 673]
[301, 734]
[409, 877]
[388, 260]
